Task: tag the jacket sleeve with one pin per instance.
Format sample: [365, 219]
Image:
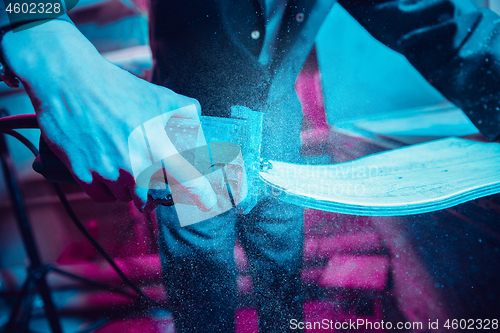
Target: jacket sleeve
[4, 19]
[454, 45]
[11, 20]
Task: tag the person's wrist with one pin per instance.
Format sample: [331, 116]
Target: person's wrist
[47, 52]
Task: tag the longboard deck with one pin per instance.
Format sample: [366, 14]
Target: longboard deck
[405, 181]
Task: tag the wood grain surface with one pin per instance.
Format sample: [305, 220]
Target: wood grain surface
[411, 180]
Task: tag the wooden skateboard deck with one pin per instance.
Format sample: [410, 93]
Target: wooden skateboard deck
[405, 181]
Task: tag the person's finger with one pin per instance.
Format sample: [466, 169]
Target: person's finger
[178, 169]
[190, 113]
[120, 187]
[188, 107]
[119, 190]
[141, 200]
[190, 181]
[97, 190]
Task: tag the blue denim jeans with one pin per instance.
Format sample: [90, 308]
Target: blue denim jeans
[200, 272]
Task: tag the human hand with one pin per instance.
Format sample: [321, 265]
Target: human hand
[87, 108]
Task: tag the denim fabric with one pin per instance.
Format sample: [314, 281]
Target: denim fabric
[200, 272]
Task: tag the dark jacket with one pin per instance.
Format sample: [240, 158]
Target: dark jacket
[204, 49]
